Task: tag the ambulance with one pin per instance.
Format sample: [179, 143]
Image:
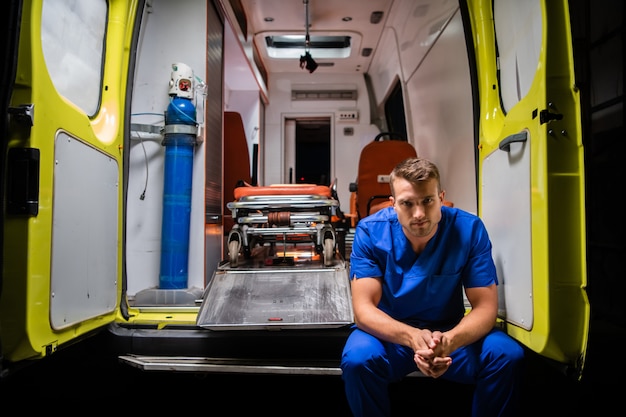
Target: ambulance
[186, 176]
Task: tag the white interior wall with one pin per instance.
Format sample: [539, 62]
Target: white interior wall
[162, 44]
[432, 64]
[440, 99]
[385, 68]
[345, 148]
[247, 104]
[242, 93]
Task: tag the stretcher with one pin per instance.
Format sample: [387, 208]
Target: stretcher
[283, 268]
[282, 216]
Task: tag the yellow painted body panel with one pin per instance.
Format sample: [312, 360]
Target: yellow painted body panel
[161, 318]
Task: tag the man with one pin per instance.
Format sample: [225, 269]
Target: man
[409, 266]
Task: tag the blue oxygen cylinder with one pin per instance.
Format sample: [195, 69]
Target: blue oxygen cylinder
[179, 141]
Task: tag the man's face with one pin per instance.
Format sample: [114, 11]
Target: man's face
[418, 207]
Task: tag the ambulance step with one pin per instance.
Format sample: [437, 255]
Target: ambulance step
[227, 365]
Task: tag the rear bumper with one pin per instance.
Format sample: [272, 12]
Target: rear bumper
[194, 349]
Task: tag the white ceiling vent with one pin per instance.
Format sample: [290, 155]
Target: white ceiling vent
[309, 95]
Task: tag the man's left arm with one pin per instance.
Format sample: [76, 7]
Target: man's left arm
[476, 323]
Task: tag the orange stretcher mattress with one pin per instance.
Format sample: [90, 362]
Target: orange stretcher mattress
[282, 189]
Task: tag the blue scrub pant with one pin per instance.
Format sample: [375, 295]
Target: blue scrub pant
[494, 364]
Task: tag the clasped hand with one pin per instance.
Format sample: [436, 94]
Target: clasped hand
[430, 356]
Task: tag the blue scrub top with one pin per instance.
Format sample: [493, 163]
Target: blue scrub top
[426, 290]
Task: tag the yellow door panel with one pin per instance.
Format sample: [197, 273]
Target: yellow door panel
[531, 192]
[62, 248]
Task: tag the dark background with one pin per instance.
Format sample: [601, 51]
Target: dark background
[87, 379]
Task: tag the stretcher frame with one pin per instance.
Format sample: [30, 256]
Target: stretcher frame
[282, 213]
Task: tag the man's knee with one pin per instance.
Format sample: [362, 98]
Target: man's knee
[505, 348]
[357, 359]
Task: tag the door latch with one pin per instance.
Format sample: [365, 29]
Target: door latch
[24, 114]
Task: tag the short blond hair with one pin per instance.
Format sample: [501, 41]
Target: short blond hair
[415, 170]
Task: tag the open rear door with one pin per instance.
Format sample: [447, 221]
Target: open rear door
[63, 152]
[531, 177]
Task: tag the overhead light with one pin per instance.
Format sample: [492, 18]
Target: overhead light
[289, 46]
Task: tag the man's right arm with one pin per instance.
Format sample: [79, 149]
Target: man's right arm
[366, 294]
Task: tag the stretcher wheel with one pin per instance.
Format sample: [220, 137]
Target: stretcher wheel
[233, 252]
[329, 251]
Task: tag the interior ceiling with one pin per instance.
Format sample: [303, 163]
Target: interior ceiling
[327, 16]
[423, 21]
